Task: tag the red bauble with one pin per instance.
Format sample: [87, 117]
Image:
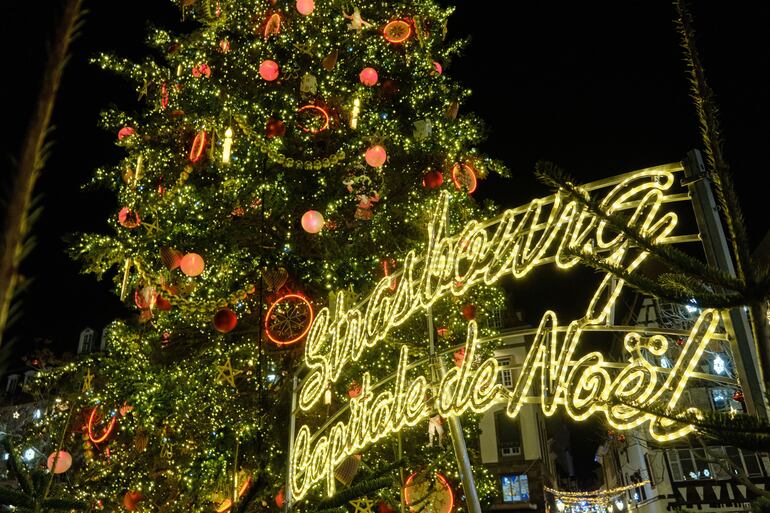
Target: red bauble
[125, 132]
[376, 156]
[275, 128]
[312, 221]
[268, 70]
[680, 341]
[130, 499]
[224, 46]
[354, 389]
[437, 66]
[432, 179]
[384, 507]
[459, 356]
[368, 77]
[738, 396]
[469, 312]
[192, 264]
[225, 320]
[128, 218]
[305, 7]
[279, 499]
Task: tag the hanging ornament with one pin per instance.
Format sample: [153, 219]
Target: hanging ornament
[438, 68]
[305, 7]
[354, 113]
[354, 389]
[346, 471]
[452, 109]
[312, 221]
[421, 493]
[433, 179]
[124, 132]
[330, 60]
[469, 312]
[128, 218]
[163, 95]
[443, 332]
[226, 373]
[357, 23]
[225, 320]
[436, 430]
[162, 303]
[275, 128]
[365, 204]
[288, 319]
[224, 46]
[92, 419]
[459, 356]
[423, 128]
[279, 498]
[680, 341]
[316, 112]
[198, 145]
[145, 297]
[201, 70]
[170, 257]
[268, 70]
[272, 25]
[738, 396]
[308, 84]
[368, 77]
[130, 500]
[192, 264]
[275, 279]
[227, 145]
[384, 507]
[141, 440]
[397, 31]
[376, 156]
[63, 462]
[125, 409]
[464, 177]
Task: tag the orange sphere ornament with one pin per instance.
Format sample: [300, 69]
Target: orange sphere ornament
[130, 499]
[225, 320]
[192, 264]
[128, 218]
[376, 156]
[368, 76]
[312, 221]
[305, 7]
[268, 70]
[63, 462]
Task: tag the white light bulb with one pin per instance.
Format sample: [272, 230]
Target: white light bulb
[29, 454]
[719, 365]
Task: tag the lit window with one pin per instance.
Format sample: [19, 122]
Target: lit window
[515, 487]
[505, 377]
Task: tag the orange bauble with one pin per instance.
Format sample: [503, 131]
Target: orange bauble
[376, 156]
[128, 218]
[368, 76]
[269, 70]
[192, 264]
[312, 221]
[305, 7]
[63, 463]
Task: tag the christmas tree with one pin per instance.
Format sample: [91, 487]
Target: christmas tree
[281, 151]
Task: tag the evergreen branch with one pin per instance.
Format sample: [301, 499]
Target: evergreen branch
[10, 497]
[359, 490]
[554, 177]
[33, 157]
[708, 117]
[16, 468]
[63, 503]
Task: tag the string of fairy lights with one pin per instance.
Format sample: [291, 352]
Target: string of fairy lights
[599, 501]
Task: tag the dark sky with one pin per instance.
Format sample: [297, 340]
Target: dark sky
[597, 87]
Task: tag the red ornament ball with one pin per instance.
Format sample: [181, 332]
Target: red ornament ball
[354, 389]
[128, 218]
[738, 396]
[130, 499]
[368, 76]
[432, 179]
[192, 264]
[376, 156]
[384, 507]
[268, 70]
[63, 463]
[469, 312]
[437, 66]
[312, 221]
[680, 341]
[225, 320]
[125, 132]
[275, 128]
[305, 7]
[279, 498]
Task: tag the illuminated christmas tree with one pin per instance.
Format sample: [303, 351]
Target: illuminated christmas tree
[280, 152]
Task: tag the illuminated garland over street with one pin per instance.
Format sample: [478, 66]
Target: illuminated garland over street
[522, 239]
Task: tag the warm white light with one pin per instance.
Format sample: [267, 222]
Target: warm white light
[619, 504]
[227, 145]
[719, 365]
[559, 505]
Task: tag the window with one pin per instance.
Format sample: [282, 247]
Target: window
[12, 383]
[86, 341]
[495, 318]
[505, 377]
[691, 464]
[515, 487]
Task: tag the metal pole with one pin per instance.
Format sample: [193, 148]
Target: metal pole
[292, 428]
[456, 430]
[718, 255]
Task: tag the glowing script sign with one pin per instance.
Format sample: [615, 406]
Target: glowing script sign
[547, 230]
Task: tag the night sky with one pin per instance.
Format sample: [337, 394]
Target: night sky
[596, 87]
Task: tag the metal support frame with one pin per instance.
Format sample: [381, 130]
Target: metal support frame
[718, 255]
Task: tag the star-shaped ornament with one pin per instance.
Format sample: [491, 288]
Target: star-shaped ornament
[16, 414]
[363, 505]
[227, 374]
[87, 379]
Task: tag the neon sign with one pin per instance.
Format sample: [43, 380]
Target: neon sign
[547, 230]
